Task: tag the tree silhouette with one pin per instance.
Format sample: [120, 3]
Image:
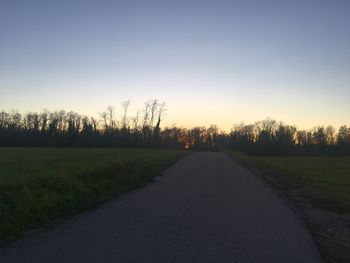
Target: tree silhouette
[70, 129]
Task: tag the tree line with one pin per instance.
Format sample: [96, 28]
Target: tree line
[143, 130]
[271, 137]
[71, 129]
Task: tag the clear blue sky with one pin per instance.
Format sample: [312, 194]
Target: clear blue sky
[218, 62]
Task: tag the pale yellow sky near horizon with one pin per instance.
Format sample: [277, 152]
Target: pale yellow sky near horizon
[205, 112]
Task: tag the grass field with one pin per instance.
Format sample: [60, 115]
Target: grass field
[38, 186]
[325, 181]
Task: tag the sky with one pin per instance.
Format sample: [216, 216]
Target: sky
[212, 62]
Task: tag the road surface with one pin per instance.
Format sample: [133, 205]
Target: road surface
[205, 208]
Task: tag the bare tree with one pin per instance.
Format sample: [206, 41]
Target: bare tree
[146, 113]
[330, 138]
[4, 119]
[135, 121]
[301, 137]
[125, 105]
[44, 120]
[161, 111]
[104, 117]
[343, 136]
[110, 114]
[153, 111]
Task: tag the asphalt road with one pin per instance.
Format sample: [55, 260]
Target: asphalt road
[205, 208]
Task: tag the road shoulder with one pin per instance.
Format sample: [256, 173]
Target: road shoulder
[330, 230]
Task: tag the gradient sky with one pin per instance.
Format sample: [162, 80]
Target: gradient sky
[213, 62]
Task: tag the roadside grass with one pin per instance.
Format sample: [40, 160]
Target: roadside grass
[39, 185]
[324, 181]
